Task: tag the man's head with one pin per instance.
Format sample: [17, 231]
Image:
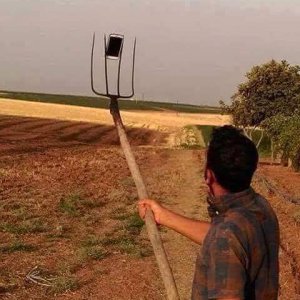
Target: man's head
[231, 160]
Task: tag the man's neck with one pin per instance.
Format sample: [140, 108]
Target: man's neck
[218, 191]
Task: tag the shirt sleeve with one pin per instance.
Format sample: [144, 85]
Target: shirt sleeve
[226, 274]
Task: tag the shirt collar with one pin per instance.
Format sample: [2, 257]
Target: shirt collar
[219, 205]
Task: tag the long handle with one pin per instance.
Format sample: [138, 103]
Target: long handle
[153, 233]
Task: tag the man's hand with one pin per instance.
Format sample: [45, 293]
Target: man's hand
[192, 229]
[157, 209]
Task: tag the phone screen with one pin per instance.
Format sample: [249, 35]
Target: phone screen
[114, 46]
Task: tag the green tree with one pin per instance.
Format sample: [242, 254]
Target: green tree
[270, 89]
[284, 132]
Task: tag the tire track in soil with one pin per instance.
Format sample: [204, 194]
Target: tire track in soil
[42, 126]
[97, 134]
[16, 137]
[20, 131]
[75, 132]
[13, 123]
[59, 128]
[20, 141]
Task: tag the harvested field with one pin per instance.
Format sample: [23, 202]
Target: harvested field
[146, 119]
[99, 102]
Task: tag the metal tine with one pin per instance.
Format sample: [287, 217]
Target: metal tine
[108, 95]
[92, 70]
[105, 58]
[133, 73]
[133, 68]
[119, 68]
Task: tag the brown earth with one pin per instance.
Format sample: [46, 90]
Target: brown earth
[68, 207]
[283, 178]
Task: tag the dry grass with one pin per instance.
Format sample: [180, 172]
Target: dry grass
[296, 215]
[17, 246]
[28, 226]
[155, 120]
[64, 283]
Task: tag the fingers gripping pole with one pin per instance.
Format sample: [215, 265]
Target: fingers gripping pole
[153, 233]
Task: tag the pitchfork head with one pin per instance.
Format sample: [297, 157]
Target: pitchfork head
[119, 58]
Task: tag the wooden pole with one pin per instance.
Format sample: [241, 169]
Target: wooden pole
[159, 251]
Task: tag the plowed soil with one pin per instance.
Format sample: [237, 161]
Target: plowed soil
[25, 134]
[68, 212]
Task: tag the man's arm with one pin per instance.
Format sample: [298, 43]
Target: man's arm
[192, 229]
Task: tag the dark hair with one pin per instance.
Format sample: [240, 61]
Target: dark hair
[232, 157]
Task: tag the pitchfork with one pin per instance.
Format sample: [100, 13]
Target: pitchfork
[153, 233]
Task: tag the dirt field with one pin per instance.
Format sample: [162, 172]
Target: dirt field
[68, 212]
[68, 208]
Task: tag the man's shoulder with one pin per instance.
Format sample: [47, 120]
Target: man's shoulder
[264, 201]
[266, 208]
[259, 206]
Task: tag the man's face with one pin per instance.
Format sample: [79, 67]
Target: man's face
[205, 173]
[205, 168]
[208, 176]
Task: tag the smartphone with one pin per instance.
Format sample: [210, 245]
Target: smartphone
[114, 46]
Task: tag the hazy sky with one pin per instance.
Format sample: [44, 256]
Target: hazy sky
[193, 51]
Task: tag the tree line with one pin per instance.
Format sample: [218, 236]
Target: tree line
[269, 100]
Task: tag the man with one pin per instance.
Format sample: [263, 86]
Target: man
[239, 254]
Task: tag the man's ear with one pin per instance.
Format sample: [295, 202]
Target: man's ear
[209, 176]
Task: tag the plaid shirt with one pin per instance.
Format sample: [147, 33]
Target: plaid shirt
[239, 256]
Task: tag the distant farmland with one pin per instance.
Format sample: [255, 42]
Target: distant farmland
[98, 102]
